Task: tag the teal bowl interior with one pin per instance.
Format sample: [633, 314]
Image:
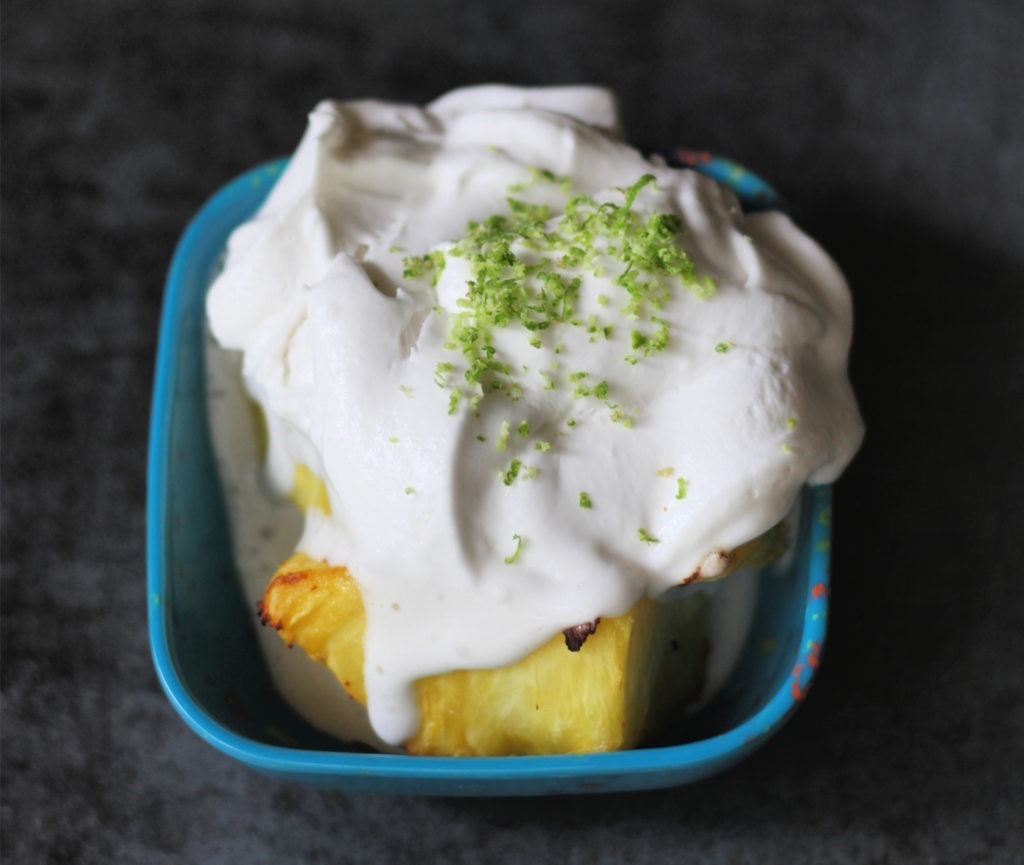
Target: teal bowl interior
[202, 633]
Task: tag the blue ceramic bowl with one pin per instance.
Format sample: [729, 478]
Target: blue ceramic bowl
[203, 636]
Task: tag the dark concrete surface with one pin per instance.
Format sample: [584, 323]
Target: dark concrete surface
[896, 130]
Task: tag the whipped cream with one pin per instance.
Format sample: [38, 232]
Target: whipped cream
[620, 448]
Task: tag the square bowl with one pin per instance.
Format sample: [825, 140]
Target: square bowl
[202, 633]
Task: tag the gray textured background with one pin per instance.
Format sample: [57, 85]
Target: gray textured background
[897, 133]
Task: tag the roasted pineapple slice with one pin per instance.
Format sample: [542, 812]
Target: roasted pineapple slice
[599, 687]
[607, 695]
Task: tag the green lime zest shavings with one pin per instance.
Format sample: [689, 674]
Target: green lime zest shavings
[542, 175]
[526, 269]
[441, 373]
[409, 491]
[682, 486]
[647, 537]
[503, 434]
[511, 473]
[633, 191]
[585, 501]
[511, 559]
[723, 347]
[620, 416]
[543, 447]
[418, 266]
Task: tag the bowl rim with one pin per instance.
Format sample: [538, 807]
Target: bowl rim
[708, 754]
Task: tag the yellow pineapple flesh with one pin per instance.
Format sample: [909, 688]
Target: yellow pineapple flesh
[630, 674]
[627, 676]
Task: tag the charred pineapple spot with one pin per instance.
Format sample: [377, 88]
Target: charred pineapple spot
[577, 635]
[265, 616]
[287, 578]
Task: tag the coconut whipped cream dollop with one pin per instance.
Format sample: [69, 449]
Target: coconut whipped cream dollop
[540, 375]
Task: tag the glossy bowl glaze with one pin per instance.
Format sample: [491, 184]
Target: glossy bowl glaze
[202, 633]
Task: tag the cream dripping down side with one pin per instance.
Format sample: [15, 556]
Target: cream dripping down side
[746, 401]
